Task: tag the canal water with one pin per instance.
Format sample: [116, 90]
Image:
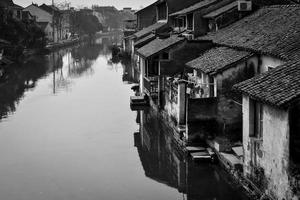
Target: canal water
[67, 133]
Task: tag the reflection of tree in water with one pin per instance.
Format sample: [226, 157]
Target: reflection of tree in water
[129, 72]
[83, 59]
[17, 79]
[56, 62]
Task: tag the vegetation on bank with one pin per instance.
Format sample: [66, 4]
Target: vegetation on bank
[19, 34]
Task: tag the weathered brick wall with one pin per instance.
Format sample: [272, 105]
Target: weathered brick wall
[272, 155]
[229, 102]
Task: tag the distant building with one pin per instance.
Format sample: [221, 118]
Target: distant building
[26, 16]
[206, 16]
[47, 28]
[127, 9]
[44, 19]
[146, 16]
[16, 11]
[59, 32]
[40, 14]
[66, 23]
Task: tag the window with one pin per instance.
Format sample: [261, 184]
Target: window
[270, 68]
[180, 22]
[256, 119]
[19, 14]
[211, 87]
[162, 11]
[165, 56]
[190, 21]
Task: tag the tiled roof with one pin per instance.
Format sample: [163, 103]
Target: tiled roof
[149, 29]
[144, 40]
[221, 10]
[158, 45]
[218, 59]
[273, 30]
[153, 4]
[194, 7]
[278, 87]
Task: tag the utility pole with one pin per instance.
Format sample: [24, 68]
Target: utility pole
[53, 21]
[53, 60]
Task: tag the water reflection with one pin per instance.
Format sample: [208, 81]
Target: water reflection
[16, 80]
[130, 73]
[165, 163]
[65, 65]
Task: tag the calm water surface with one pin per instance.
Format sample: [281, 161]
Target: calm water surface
[67, 133]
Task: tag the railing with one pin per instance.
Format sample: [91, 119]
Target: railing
[151, 85]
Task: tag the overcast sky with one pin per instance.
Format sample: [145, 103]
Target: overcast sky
[119, 4]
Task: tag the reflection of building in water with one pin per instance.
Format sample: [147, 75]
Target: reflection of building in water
[63, 65]
[163, 161]
[17, 79]
[74, 62]
[130, 73]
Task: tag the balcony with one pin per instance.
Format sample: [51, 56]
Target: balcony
[151, 85]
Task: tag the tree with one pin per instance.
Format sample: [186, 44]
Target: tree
[21, 34]
[85, 23]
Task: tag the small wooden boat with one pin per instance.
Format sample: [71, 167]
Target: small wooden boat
[139, 102]
[201, 156]
[200, 153]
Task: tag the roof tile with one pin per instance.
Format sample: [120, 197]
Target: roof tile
[194, 7]
[144, 40]
[158, 45]
[149, 29]
[273, 30]
[218, 59]
[221, 10]
[278, 87]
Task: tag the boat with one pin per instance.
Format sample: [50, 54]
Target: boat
[139, 102]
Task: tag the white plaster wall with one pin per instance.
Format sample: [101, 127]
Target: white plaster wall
[142, 64]
[48, 31]
[268, 61]
[246, 133]
[172, 108]
[181, 103]
[275, 148]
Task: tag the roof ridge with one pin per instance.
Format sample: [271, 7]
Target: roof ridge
[266, 95]
[281, 5]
